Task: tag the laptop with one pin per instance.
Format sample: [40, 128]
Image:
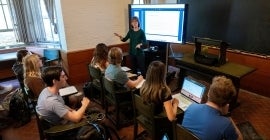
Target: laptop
[191, 92]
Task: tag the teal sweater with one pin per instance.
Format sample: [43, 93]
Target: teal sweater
[136, 37]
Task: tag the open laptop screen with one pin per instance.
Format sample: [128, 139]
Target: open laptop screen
[193, 89]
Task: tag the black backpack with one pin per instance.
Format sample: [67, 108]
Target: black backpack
[18, 108]
[92, 131]
[96, 128]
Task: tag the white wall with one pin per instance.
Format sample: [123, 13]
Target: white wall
[89, 22]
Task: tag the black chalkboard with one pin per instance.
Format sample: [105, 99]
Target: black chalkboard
[244, 24]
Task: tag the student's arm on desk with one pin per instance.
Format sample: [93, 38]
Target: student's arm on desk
[134, 83]
[76, 115]
[171, 108]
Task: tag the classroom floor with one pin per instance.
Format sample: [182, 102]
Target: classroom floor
[253, 108]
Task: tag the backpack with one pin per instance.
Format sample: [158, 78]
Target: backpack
[6, 100]
[92, 131]
[18, 108]
[96, 128]
[87, 89]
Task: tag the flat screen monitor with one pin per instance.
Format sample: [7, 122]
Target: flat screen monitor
[161, 22]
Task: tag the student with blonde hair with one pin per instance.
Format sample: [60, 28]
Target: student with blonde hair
[34, 82]
[114, 71]
[32, 74]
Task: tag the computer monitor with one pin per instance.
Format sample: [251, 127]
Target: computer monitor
[161, 22]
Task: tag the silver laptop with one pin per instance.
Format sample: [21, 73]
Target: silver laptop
[191, 92]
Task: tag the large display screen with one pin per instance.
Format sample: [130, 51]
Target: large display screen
[161, 22]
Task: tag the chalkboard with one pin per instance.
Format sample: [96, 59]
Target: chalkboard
[244, 24]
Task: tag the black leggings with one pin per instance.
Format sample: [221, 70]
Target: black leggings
[138, 64]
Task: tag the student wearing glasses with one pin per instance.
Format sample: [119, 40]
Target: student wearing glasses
[51, 105]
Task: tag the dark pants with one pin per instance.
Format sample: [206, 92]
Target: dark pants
[138, 64]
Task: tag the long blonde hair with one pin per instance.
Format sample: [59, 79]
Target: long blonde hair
[31, 66]
[155, 83]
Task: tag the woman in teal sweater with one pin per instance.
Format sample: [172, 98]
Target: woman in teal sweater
[136, 43]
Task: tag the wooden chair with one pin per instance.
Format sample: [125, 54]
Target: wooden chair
[181, 133]
[118, 97]
[144, 115]
[96, 83]
[48, 131]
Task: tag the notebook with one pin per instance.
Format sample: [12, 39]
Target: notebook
[126, 69]
[191, 92]
[67, 91]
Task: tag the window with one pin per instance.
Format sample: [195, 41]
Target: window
[50, 26]
[42, 27]
[7, 36]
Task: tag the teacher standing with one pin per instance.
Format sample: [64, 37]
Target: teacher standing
[136, 43]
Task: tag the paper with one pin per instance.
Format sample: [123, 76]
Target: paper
[125, 68]
[140, 84]
[129, 75]
[67, 91]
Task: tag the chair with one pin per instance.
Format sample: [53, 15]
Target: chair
[48, 131]
[119, 97]
[97, 83]
[52, 57]
[29, 98]
[181, 133]
[144, 115]
[20, 79]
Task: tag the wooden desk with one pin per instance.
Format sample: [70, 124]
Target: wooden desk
[231, 70]
[6, 61]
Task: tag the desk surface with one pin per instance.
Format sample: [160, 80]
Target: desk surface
[229, 68]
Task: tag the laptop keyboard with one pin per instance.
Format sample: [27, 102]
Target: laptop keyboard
[184, 102]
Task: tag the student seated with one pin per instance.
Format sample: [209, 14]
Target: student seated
[115, 73]
[207, 121]
[100, 57]
[32, 74]
[155, 90]
[51, 105]
[18, 65]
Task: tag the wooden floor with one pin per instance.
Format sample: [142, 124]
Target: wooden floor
[253, 108]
